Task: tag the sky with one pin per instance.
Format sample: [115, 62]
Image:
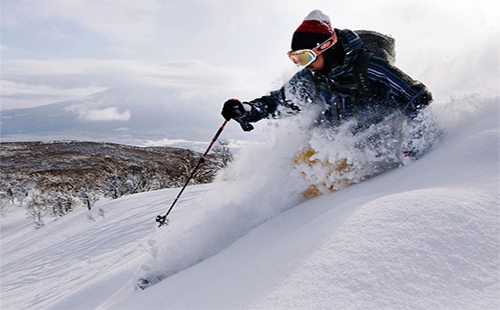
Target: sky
[55, 50]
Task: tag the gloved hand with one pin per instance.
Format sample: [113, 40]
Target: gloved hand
[234, 109]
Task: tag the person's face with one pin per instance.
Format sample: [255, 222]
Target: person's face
[318, 64]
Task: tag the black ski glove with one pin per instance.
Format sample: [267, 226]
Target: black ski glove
[233, 109]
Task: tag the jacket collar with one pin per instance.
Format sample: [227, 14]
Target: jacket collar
[351, 44]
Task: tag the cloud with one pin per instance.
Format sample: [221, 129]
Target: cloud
[108, 114]
[64, 79]
[221, 47]
[116, 21]
[9, 88]
[23, 95]
[87, 112]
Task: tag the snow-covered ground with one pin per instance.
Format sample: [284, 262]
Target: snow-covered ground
[423, 236]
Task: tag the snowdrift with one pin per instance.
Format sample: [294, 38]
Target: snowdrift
[423, 236]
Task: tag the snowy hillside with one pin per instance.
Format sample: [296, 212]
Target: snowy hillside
[423, 236]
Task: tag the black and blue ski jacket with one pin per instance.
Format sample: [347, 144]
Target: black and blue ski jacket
[339, 93]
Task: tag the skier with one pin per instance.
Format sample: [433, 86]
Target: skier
[329, 57]
[342, 75]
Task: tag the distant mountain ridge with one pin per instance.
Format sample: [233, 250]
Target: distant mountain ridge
[132, 115]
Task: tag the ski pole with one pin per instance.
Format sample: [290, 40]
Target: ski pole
[162, 219]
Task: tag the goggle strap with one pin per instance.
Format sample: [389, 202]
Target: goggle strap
[325, 45]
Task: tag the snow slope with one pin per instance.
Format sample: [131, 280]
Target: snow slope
[424, 236]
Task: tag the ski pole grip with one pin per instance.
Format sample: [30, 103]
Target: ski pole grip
[244, 124]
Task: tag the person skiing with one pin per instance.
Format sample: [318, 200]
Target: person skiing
[350, 80]
[332, 77]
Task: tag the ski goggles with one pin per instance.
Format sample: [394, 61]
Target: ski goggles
[303, 58]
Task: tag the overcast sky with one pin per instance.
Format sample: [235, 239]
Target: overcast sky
[54, 50]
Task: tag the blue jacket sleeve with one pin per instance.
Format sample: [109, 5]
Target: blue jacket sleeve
[410, 95]
[266, 106]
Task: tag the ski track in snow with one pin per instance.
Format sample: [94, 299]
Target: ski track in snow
[77, 252]
[424, 236]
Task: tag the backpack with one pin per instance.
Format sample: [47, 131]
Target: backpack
[374, 44]
[380, 45]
